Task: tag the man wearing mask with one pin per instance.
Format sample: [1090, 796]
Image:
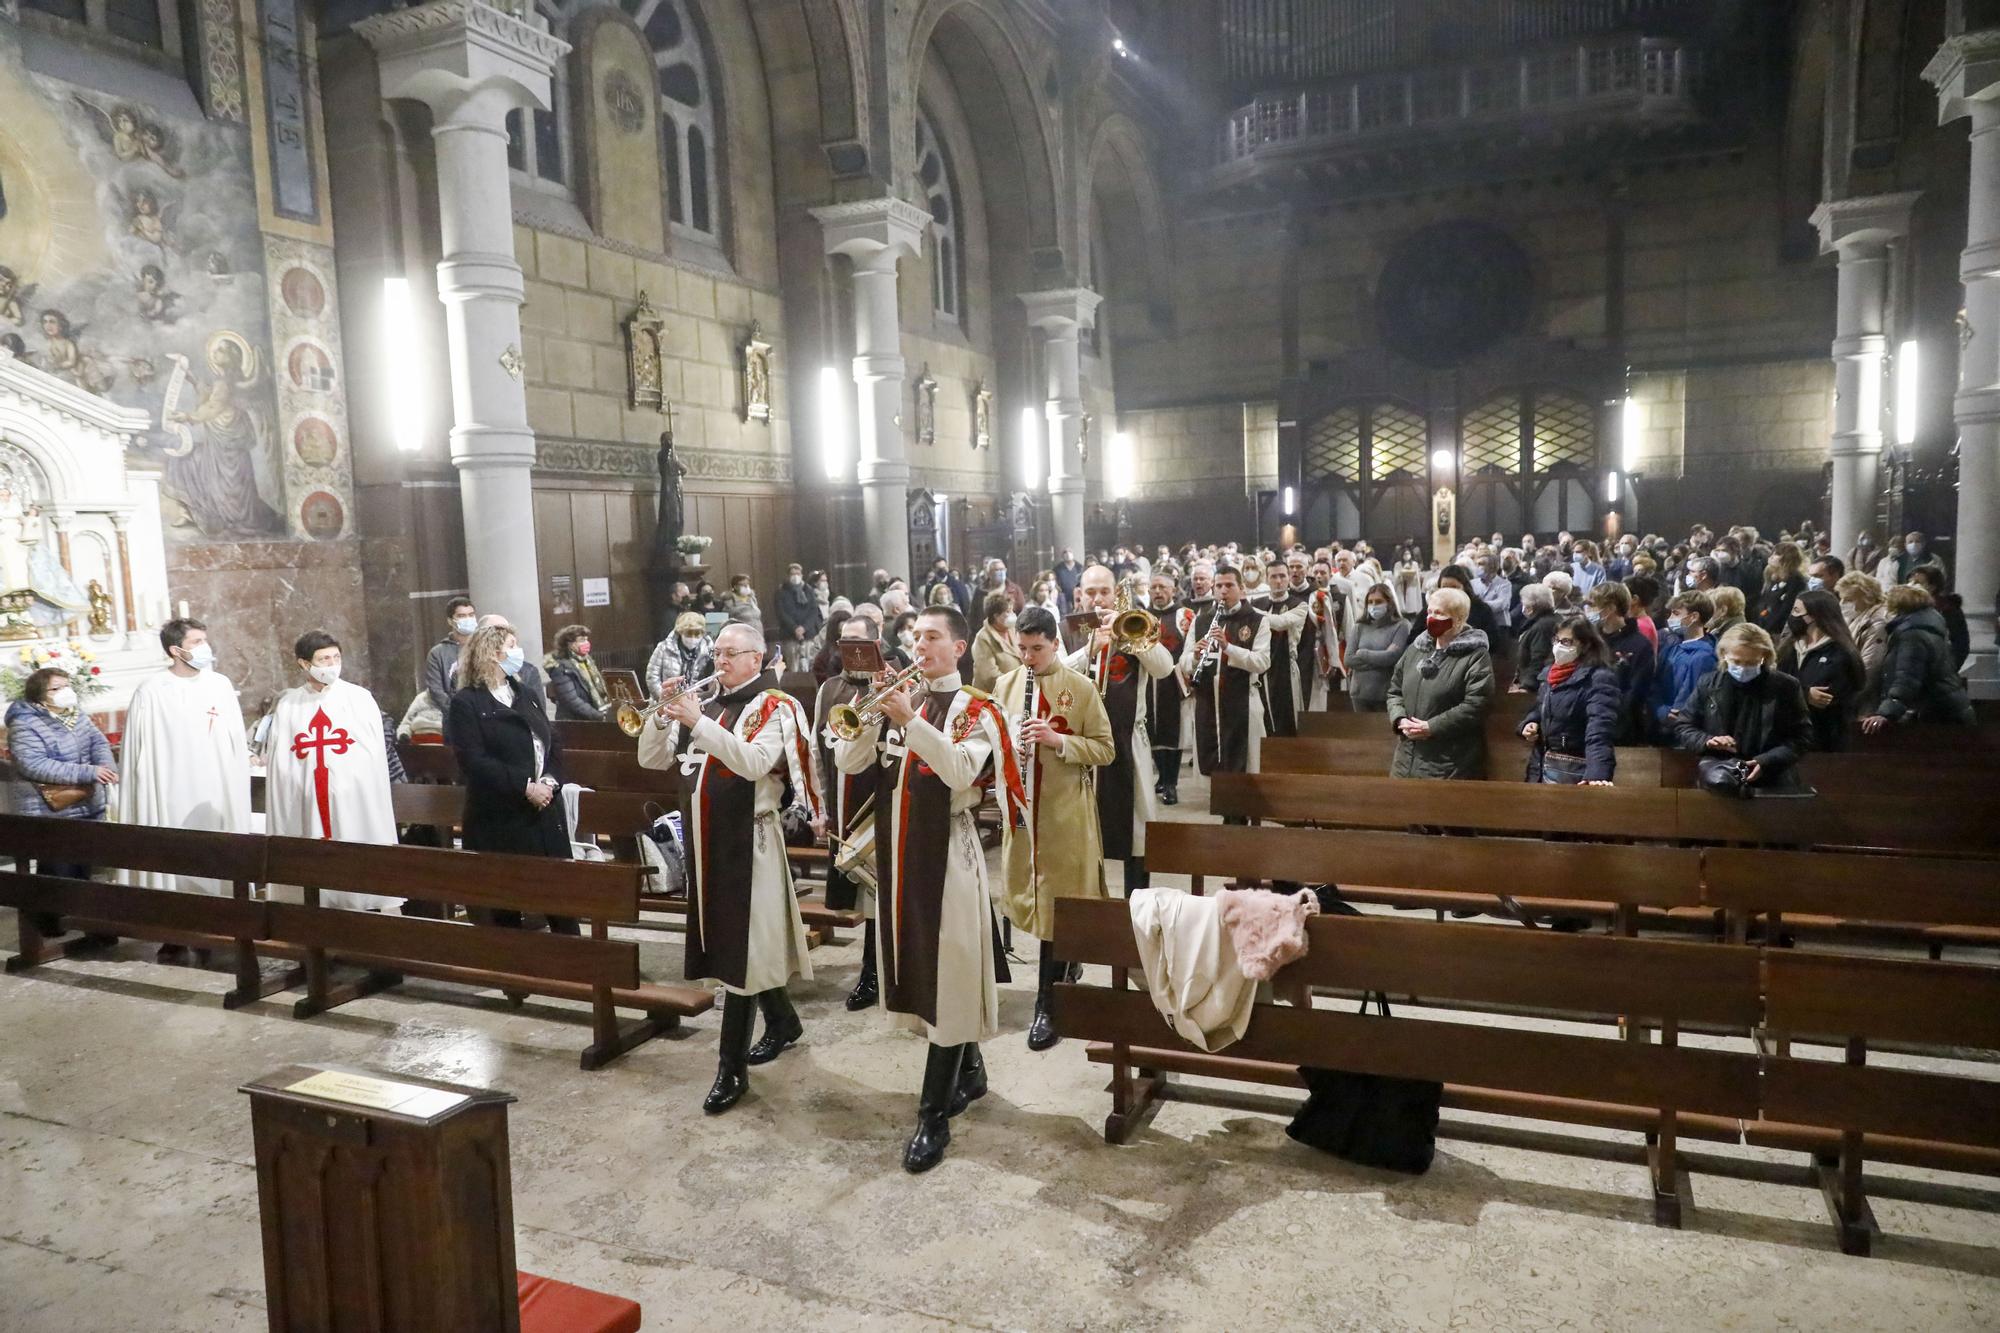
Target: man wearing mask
[1069, 573]
[1916, 551]
[847, 796]
[683, 653]
[441, 663]
[799, 618]
[1609, 608]
[1619, 567]
[996, 580]
[184, 760]
[1824, 572]
[1226, 653]
[327, 765]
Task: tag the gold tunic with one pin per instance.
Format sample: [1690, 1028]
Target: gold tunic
[1060, 854]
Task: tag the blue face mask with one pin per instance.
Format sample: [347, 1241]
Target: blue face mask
[512, 660]
[1814, 583]
[1745, 673]
[1594, 616]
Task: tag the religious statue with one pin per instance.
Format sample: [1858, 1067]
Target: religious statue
[644, 369]
[100, 610]
[673, 516]
[756, 376]
[982, 417]
[1083, 440]
[20, 530]
[926, 407]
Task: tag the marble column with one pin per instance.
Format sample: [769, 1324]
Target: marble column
[473, 62]
[1966, 73]
[1062, 315]
[876, 234]
[1860, 231]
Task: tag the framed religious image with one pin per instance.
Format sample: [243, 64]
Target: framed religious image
[562, 596]
[623, 686]
[859, 655]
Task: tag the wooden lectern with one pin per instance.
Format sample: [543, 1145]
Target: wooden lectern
[387, 1203]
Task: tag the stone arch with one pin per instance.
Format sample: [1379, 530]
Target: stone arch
[1813, 164]
[1118, 199]
[814, 88]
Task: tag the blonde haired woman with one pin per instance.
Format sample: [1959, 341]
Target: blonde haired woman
[1918, 681]
[508, 758]
[1747, 709]
[1868, 622]
[1439, 692]
[1728, 610]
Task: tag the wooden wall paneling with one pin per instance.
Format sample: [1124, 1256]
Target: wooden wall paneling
[555, 553]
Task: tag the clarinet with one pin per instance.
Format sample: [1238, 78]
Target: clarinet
[1026, 754]
[1211, 652]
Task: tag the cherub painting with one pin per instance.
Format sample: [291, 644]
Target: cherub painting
[148, 220]
[65, 357]
[131, 138]
[155, 302]
[12, 294]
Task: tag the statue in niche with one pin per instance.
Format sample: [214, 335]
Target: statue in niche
[756, 376]
[673, 501]
[982, 417]
[644, 367]
[1083, 440]
[100, 610]
[926, 407]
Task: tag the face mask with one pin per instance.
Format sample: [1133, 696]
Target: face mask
[1745, 673]
[465, 624]
[1594, 616]
[1797, 625]
[690, 640]
[796, 579]
[1439, 626]
[1814, 583]
[581, 647]
[201, 657]
[63, 699]
[1687, 627]
[1726, 559]
[1007, 622]
[1911, 548]
[1377, 611]
[325, 675]
[1564, 653]
[512, 661]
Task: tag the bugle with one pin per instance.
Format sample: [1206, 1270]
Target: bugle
[632, 720]
[847, 721]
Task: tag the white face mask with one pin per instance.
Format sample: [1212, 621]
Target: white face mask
[465, 624]
[1564, 653]
[325, 675]
[797, 579]
[63, 699]
[1912, 548]
[691, 640]
[201, 657]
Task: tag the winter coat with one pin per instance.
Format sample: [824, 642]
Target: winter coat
[1632, 655]
[798, 609]
[1373, 649]
[1833, 668]
[1773, 606]
[1683, 662]
[1766, 716]
[46, 751]
[1952, 607]
[576, 698]
[495, 743]
[1451, 688]
[1918, 682]
[1534, 654]
[1580, 717]
[1871, 637]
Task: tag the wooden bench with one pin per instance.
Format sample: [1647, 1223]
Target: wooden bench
[592, 736]
[1948, 901]
[93, 910]
[592, 968]
[1538, 1074]
[1359, 757]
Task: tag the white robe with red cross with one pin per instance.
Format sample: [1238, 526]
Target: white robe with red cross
[326, 775]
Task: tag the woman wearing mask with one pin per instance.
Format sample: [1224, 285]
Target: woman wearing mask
[740, 602]
[1784, 580]
[509, 759]
[1375, 643]
[994, 653]
[62, 760]
[1749, 710]
[1868, 625]
[1538, 631]
[575, 683]
[1820, 653]
[684, 653]
[705, 599]
[1573, 723]
[1918, 682]
[1439, 691]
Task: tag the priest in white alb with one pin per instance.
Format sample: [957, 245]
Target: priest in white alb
[326, 767]
[184, 759]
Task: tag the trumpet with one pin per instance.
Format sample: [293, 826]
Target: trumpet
[847, 721]
[632, 720]
[1133, 627]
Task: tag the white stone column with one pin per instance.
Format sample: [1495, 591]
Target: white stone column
[1966, 73]
[1861, 232]
[1061, 316]
[472, 62]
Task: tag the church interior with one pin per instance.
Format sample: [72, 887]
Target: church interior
[347, 317]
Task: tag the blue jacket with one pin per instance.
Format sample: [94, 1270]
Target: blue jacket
[1580, 717]
[48, 752]
[1682, 664]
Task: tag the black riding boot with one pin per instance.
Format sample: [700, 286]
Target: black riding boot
[781, 1026]
[926, 1147]
[1169, 762]
[867, 990]
[1042, 1031]
[971, 1079]
[732, 1078]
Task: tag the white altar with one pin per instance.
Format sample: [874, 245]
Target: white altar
[82, 552]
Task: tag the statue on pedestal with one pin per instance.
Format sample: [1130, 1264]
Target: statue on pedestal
[667, 560]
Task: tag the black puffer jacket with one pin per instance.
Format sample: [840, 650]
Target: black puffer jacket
[1918, 682]
[1767, 717]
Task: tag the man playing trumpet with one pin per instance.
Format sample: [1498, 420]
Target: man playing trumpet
[744, 929]
[848, 796]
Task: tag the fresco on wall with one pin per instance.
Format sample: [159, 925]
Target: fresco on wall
[131, 266]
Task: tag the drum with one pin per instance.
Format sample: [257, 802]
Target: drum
[854, 855]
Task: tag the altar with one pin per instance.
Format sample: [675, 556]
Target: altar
[82, 551]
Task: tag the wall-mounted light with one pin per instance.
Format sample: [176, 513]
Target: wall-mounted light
[832, 423]
[1441, 460]
[1031, 448]
[1629, 421]
[405, 380]
[1612, 482]
[1906, 393]
[1289, 502]
[1123, 466]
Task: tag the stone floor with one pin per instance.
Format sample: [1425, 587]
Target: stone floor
[128, 1201]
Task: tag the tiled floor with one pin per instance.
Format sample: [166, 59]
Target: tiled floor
[127, 1200]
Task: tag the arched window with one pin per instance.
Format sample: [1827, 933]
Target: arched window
[538, 142]
[934, 175]
[687, 115]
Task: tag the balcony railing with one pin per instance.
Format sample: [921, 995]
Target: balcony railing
[1626, 74]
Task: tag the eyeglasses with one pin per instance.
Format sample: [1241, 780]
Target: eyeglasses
[738, 652]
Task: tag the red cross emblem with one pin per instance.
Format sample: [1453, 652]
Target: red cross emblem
[319, 737]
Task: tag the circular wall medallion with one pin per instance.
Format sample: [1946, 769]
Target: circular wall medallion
[623, 100]
[322, 515]
[1451, 291]
[310, 367]
[314, 442]
[305, 295]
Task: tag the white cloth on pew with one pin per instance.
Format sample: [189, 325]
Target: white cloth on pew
[336, 732]
[1191, 968]
[185, 765]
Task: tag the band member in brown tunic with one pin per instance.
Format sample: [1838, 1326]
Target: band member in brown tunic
[1284, 617]
[742, 751]
[848, 795]
[1229, 648]
[1166, 696]
[938, 938]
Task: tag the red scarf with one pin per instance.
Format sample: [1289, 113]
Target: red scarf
[1559, 674]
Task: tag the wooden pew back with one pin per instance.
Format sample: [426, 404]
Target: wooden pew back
[1637, 765]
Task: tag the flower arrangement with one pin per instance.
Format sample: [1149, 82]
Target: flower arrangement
[692, 544]
[71, 658]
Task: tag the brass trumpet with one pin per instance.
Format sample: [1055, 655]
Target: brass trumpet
[1135, 629]
[633, 720]
[847, 721]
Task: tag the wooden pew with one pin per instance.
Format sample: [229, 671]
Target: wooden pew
[603, 769]
[96, 909]
[1370, 756]
[594, 968]
[1544, 1075]
[592, 736]
[1950, 901]
[1503, 723]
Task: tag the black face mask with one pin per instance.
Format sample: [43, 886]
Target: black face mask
[1798, 625]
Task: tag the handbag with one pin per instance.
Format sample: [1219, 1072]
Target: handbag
[1370, 1119]
[63, 796]
[1723, 777]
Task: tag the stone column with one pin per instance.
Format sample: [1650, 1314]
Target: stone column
[1966, 73]
[473, 62]
[1860, 231]
[1061, 316]
[876, 234]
